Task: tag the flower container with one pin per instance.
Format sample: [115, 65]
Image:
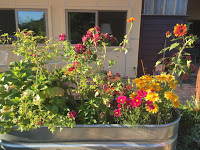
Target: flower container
[157, 137]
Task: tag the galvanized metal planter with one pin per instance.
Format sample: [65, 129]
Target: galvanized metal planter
[90, 137]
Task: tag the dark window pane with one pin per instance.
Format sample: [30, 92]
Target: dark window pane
[32, 20]
[169, 7]
[113, 22]
[158, 7]
[148, 7]
[7, 23]
[79, 23]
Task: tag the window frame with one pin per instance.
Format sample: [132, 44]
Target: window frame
[74, 10]
[96, 11]
[163, 12]
[31, 9]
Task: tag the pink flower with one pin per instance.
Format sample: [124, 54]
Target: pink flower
[89, 34]
[75, 63]
[97, 29]
[128, 101]
[80, 48]
[112, 39]
[62, 37]
[105, 36]
[84, 39]
[117, 112]
[150, 105]
[118, 74]
[188, 57]
[142, 93]
[136, 101]
[121, 99]
[72, 114]
[71, 68]
[119, 106]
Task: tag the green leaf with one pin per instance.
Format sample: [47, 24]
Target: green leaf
[116, 49]
[163, 50]
[111, 62]
[54, 109]
[174, 45]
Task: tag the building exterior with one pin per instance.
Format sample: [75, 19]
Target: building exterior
[53, 17]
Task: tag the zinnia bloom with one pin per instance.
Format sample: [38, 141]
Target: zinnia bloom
[80, 48]
[131, 19]
[121, 99]
[72, 114]
[142, 93]
[180, 30]
[117, 112]
[136, 101]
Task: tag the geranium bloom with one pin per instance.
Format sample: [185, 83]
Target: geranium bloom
[117, 112]
[142, 93]
[80, 48]
[131, 19]
[71, 68]
[97, 29]
[121, 99]
[72, 114]
[84, 39]
[180, 30]
[62, 37]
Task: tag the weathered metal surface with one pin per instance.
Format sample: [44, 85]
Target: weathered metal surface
[158, 137]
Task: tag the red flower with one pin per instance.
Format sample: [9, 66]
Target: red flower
[72, 114]
[62, 37]
[71, 68]
[117, 112]
[188, 57]
[75, 63]
[121, 99]
[80, 48]
[186, 76]
[97, 29]
[118, 74]
[131, 19]
[180, 30]
[119, 106]
[89, 34]
[128, 87]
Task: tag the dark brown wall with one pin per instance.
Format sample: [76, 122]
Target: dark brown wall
[152, 37]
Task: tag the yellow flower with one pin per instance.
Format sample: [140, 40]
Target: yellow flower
[162, 78]
[152, 96]
[155, 110]
[171, 96]
[176, 103]
[172, 85]
[134, 94]
[170, 77]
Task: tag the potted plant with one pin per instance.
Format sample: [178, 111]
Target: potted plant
[90, 108]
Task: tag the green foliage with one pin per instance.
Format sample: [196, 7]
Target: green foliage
[189, 127]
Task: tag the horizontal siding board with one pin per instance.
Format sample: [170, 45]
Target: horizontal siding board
[32, 2]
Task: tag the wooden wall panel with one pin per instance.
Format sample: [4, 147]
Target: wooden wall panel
[113, 3]
[80, 3]
[32, 2]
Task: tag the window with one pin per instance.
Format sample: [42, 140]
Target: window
[165, 7]
[12, 19]
[112, 22]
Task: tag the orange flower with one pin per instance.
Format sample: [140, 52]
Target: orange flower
[167, 33]
[180, 30]
[131, 19]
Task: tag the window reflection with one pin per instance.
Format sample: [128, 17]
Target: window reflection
[32, 20]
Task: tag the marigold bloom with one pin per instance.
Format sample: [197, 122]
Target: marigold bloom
[162, 78]
[131, 19]
[171, 96]
[117, 112]
[121, 99]
[153, 96]
[176, 103]
[180, 30]
[134, 94]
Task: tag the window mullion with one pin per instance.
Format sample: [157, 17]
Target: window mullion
[164, 7]
[174, 7]
[96, 18]
[153, 7]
